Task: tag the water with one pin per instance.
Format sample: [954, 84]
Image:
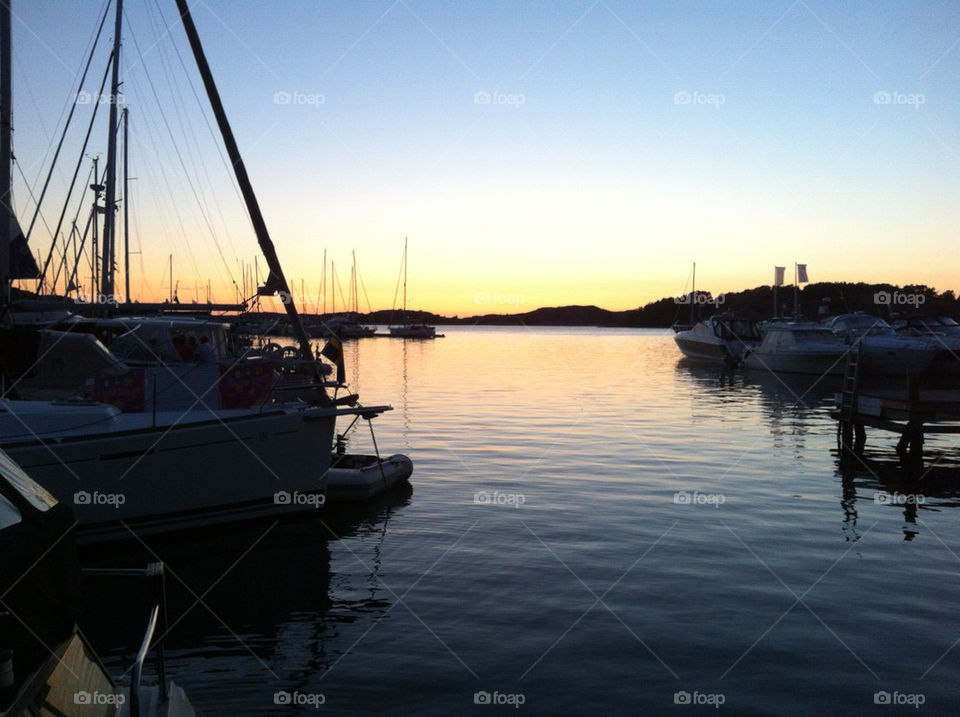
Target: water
[593, 527]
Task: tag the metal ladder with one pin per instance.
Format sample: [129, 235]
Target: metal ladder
[851, 380]
[848, 402]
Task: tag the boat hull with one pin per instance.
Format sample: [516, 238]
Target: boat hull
[817, 363]
[696, 348]
[180, 475]
[414, 332]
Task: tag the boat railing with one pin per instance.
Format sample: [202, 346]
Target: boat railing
[138, 663]
[155, 572]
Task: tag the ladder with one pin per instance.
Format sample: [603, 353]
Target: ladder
[848, 400]
[851, 380]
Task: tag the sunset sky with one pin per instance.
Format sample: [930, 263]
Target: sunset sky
[535, 153]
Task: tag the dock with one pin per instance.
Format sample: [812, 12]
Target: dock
[909, 409]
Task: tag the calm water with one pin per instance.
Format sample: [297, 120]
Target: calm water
[593, 527]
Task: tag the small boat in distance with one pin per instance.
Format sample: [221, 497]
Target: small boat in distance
[722, 337]
[798, 347]
[410, 331]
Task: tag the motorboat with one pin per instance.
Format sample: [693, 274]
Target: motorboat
[720, 338]
[883, 351]
[47, 665]
[354, 477]
[929, 325]
[798, 347]
[128, 474]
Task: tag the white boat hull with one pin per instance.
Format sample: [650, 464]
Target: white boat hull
[695, 347]
[186, 471]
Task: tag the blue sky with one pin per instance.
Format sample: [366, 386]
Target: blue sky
[622, 141]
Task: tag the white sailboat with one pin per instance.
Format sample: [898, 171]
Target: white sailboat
[157, 470]
[410, 331]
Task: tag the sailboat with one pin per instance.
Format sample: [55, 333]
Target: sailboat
[133, 473]
[410, 331]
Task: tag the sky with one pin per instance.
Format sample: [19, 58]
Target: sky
[534, 153]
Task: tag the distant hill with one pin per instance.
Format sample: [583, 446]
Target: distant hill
[814, 300]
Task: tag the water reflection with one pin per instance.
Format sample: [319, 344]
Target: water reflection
[878, 478]
[261, 598]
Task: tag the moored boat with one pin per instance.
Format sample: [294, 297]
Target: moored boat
[129, 474]
[720, 338]
[883, 351]
[798, 347]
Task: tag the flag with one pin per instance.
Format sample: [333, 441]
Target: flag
[778, 275]
[334, 351]
[802, 274]
[125, 391]
[245, 385]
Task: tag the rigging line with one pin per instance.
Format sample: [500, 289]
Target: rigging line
[179, 155]
[66, 126]
[190, 135]
[91, 179]
[340, 286]
[76, 170]
[215, 137]
[173, 209]
[396, 291]
[169, 195]
[364, 287]
[33, 197]
[71, 100]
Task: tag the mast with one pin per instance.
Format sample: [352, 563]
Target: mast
[353, 284]
[110, 203]
[405, 279]
[323, 283]
[240, 170]
[693, 296]
[6, 151]
[126, 213]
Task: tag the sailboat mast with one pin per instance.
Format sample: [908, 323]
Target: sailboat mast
[240, 170]
[405, 278]
[110, 204]
[353, 284]
[126, 206]
[693, 295]
[6, 151]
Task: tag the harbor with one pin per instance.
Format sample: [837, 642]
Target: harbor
[606, 488]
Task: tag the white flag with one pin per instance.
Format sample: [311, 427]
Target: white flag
[778, 275]
[802, 274]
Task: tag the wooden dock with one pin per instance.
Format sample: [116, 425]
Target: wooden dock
[909, 409]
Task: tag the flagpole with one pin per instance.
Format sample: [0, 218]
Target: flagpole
[796, 290]
[774, 292]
